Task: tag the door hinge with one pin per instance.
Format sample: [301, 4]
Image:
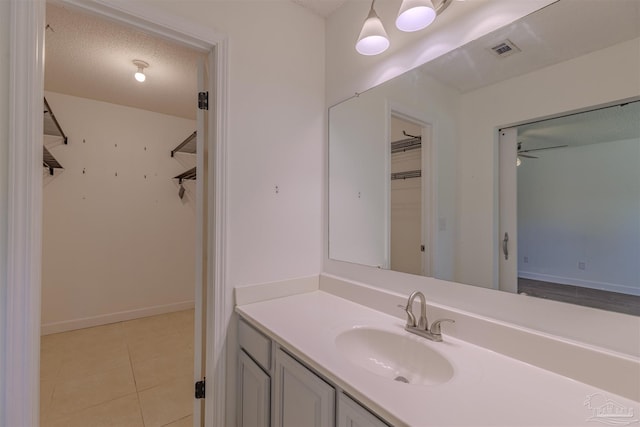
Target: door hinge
[200, 389]
[203, 100]
[422, 248]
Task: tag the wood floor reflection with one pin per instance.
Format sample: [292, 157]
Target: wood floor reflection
[605, 300]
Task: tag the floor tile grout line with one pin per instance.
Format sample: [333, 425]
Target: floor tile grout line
[144, 424]
[175, 421]
[135, 381]
[57, 382]
[60, 417]
[127, 340]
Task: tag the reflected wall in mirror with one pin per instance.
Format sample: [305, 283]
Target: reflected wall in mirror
[460, 101]
[576, 208]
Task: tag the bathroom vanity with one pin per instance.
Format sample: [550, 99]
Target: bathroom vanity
[271, 381]
[319, 359]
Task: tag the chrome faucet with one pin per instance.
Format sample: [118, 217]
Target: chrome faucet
[421, 327]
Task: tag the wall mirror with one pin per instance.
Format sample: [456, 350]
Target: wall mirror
[416, 164]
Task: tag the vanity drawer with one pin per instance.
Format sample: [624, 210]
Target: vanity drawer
[255, 344]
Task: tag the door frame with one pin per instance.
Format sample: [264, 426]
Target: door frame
[429, 182]
[508, 210]
[19, 395]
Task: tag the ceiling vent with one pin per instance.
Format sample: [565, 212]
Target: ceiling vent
[505, 48]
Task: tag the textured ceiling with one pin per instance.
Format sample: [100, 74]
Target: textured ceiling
[559, 32]
[90, 57]
[322, 8]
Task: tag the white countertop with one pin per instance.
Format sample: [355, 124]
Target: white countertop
[487, 388]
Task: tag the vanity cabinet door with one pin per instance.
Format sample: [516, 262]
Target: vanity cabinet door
[254, 392]
[352, 414]
[302, 399]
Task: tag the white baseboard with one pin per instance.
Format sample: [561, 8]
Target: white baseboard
[105, 319]
[603, 286]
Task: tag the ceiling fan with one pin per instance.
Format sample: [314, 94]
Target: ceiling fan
[522, 152]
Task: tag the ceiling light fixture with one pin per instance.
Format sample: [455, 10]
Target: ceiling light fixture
[139, 75]
[373, 38]
[413, 15]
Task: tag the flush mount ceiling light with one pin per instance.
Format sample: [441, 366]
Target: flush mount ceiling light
[373, 38]
[413, 15]
[139, 75]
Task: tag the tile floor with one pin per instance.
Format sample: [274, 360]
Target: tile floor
[137, 373]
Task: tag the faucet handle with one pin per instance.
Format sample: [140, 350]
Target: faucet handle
[435, 326]
[411, 319]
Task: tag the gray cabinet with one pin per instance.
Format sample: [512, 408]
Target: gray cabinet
[275, 389]
[254, 392]
[302, 399]
[352, 414]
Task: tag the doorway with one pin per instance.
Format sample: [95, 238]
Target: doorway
[410, 202]
[22, 357]
[117, 318]
[570, 204]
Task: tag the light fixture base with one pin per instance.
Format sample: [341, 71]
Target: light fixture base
[140, 64]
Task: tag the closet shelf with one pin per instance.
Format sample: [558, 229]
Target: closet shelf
[407, 144]
[51, 125]
[190, 174]
[406, 175]
[49, 161]
[189, 145]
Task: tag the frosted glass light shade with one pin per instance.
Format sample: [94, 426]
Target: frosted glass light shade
[415, 15]
[373, 38]
[139, 75]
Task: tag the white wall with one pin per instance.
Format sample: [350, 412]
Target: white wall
[359, 228]
[4, 143]
[357, 163]
[118, 242]
[564, 87]
[582, 204]
[276, 129]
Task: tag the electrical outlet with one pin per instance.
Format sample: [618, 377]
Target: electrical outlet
[582, 265]
[525, 259]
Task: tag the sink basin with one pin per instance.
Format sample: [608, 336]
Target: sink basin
[400, 357]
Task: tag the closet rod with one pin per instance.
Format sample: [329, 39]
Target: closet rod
[406, 175]
[190, 174]
[55, 121]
